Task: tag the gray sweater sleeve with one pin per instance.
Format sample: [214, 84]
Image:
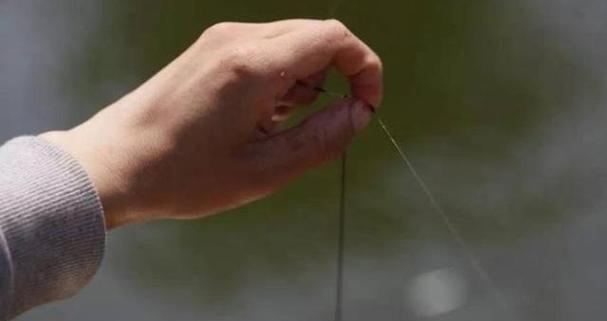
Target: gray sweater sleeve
[52, 232]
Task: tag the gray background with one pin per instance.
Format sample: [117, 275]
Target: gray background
[499, 104]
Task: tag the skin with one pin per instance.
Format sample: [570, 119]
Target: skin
[202, 135]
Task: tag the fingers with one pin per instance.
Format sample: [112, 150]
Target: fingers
[306, 51]
[319, 139]
[300, 48]
[302, 92]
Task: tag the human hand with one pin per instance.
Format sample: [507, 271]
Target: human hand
[201, 135]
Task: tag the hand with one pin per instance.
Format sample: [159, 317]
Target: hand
[201, 135]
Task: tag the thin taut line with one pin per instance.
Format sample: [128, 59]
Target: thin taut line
[455, 233]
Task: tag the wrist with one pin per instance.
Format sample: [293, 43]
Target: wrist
[105, 182]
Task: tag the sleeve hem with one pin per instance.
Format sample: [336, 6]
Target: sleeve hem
[52, 220]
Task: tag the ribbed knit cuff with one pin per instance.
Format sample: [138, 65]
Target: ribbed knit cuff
[51, 224]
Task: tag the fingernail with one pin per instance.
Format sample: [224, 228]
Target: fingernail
[361, 115]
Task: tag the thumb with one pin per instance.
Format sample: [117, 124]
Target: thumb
[319, 139]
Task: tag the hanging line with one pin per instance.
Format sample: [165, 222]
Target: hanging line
[341, 226]
[341, 240]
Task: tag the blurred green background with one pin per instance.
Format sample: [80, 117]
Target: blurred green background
[499, 105]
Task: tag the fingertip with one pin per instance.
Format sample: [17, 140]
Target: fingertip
[368, 83]
[368, 91]
[361, 114]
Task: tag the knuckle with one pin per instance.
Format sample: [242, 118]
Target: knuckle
[337, 28]
[335, 24]
[219, 28]
[241, 60]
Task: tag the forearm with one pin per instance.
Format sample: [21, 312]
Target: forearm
[51, 226]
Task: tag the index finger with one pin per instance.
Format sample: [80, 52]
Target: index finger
[322, 44]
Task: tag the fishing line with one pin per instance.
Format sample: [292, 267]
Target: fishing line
[451, 228]
[453, 231]
[341, 226]
[341, 240]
